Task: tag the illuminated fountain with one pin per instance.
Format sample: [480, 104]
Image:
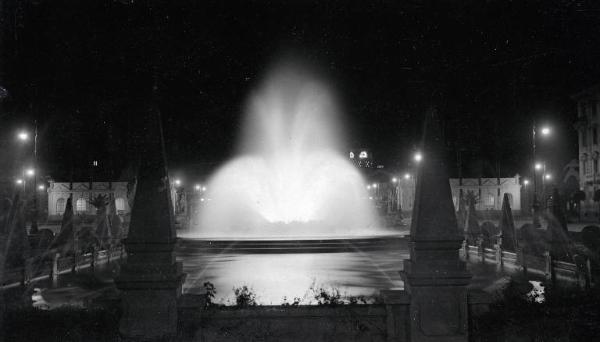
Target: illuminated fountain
[291, 179]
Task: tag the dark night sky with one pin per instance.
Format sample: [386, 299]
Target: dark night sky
[80, 67]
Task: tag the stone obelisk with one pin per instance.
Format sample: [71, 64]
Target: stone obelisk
[151, 279]
[434, 276]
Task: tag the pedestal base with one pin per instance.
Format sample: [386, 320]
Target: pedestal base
[149, 314]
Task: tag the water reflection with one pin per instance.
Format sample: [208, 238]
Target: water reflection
[275, 276]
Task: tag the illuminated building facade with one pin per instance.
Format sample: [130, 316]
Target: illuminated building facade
[362, 158]
[588, 119]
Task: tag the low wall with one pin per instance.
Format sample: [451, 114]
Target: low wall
[388, 321]
[542, 266]
[38, 268]
[376, 322]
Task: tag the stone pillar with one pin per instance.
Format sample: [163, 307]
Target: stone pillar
[397, 305]
[55, 270]
[434, 275]
[151, 279]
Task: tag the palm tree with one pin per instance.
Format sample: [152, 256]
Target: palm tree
[102, 224]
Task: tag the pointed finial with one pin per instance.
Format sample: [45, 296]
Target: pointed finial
[152, 214]
[434, 215]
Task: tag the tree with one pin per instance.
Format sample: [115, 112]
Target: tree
[577, 198]
[597, 197]
[103, 232]
[472, 226]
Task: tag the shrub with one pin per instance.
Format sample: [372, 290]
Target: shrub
[564, 314]
[61, 324]
[295, 302]
[329, 297]
[244, 297]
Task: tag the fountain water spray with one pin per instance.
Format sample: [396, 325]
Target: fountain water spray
[291, 178]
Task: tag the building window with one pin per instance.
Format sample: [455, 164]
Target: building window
[81, 204]
[489, 200]
[120, 204]
[584, 137]
[60, 205]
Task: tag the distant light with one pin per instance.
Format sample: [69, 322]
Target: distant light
[525, 182]
[19, 181]
[202, 199]
[375, 185]
[23, 136]
[368, 187]
[203, 188]
[30, 172]
[548, 176]
[545, 130]
[407, 176]
[95, 163]
[363, 155]
[41, 187]
[351, 155]
[394, 180]
[197, 187]
[370, 197]
[538, 166]
[177, 182]
[418, 157]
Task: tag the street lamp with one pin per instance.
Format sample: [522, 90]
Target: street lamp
[545, 131]
[177, 182]
[19, 181]
[525, 182]
[197, 187]
[394, 180]
[23, 136]
[547, 176]
[418, 157]
[407, 176]
[41, 187]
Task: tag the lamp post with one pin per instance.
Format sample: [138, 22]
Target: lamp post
[34, 223]
[536, 204]
[594, 171]
[395, 194]
[24, 136]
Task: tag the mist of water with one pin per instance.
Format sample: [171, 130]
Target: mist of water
[291, 178]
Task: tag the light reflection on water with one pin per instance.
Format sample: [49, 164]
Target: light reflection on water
[271, 276]
[275, 276]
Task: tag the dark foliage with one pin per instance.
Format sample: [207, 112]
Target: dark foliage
[566, 314]
[244, 297]
[62, 324]
[210, 293]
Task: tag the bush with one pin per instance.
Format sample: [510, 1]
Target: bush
[61, 324]
[244, 297]
[565, 314]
